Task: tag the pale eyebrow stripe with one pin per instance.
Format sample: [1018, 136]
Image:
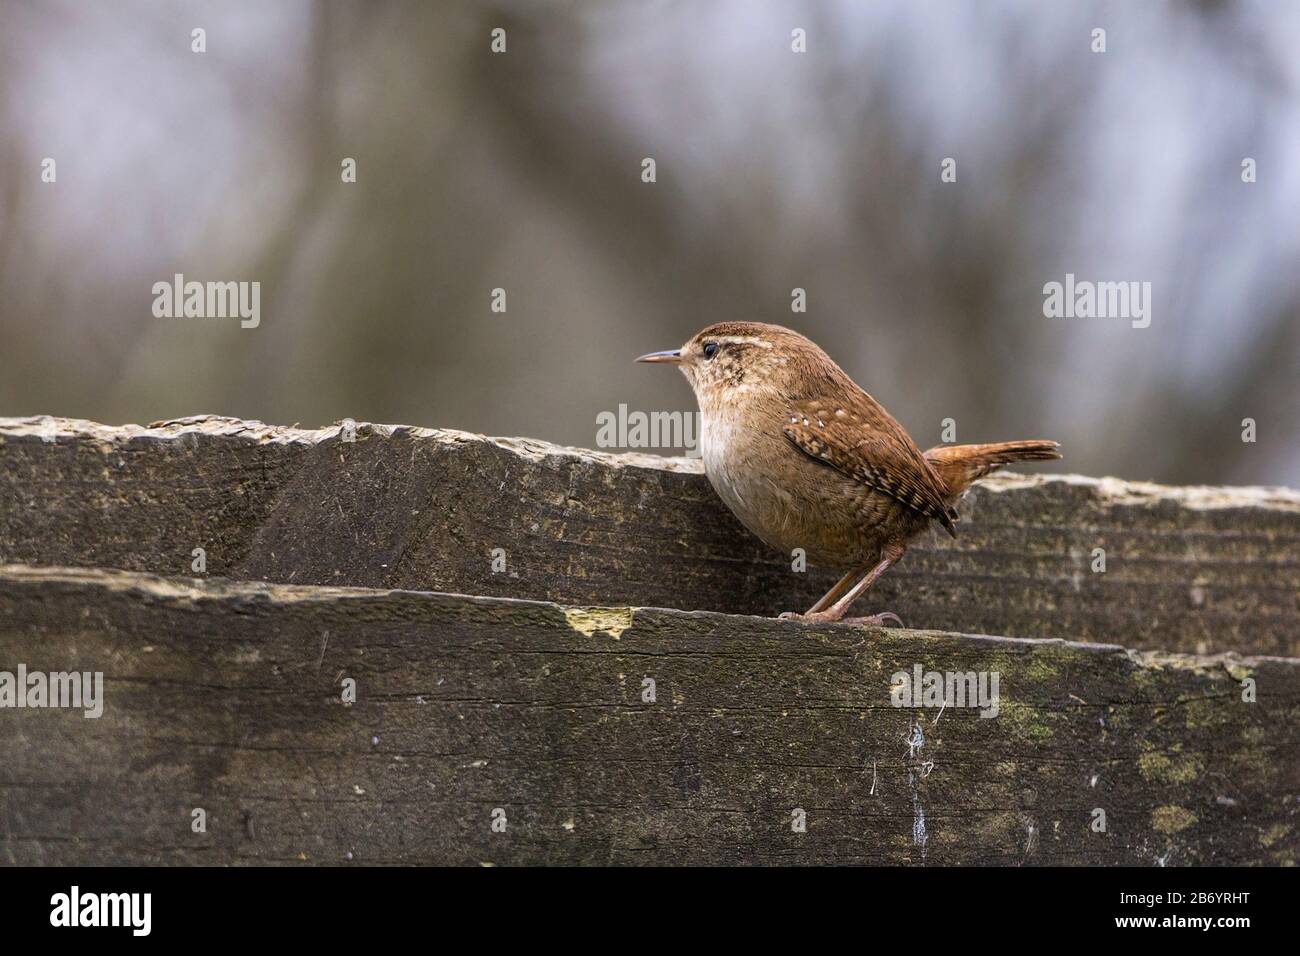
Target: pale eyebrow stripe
[743, 340]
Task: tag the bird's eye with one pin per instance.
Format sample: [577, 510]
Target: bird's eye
[710, 349]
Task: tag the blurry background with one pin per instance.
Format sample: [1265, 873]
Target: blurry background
[775, 170]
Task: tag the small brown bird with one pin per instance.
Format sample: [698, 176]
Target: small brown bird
[807, 459]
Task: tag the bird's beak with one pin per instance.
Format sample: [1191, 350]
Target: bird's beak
[671, 357]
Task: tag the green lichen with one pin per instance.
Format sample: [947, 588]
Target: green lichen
[1203, 713]
[1041, 668]
[1024, 721]
[1254, 735]
[1277, 831]
[1174, 768]
[1146, 679]
[1171, 819]
[1240, 672]
[1253, 755]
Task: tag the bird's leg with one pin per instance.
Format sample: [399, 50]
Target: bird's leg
[836, 611]
[835, 591]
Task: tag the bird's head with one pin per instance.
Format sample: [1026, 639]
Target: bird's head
[729, 361]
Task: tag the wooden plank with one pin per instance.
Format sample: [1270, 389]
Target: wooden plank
[227, 696]
[1187, 569]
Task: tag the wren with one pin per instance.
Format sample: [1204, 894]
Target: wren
[807, 459]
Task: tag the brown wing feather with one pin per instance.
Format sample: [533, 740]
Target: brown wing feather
[865, 443]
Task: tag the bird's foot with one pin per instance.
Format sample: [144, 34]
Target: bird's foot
[826, 617]
[875, 620]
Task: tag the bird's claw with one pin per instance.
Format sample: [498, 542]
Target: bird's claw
[822, 617]
[876, 620]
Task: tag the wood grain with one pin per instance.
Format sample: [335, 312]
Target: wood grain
[227, 696]
[1187, 569]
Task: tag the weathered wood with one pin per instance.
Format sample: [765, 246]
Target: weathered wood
[226, 696]
[1193, 569]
